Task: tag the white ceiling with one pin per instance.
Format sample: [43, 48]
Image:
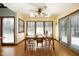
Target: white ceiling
[52, 8]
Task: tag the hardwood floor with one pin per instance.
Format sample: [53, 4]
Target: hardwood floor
[18, 50]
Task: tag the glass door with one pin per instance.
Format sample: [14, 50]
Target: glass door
[8, 30]
[74, 31]
[63, 31]
[69, 31]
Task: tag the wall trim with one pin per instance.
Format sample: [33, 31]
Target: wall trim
[19, 42]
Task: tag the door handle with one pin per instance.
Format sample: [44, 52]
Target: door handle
[2, 37]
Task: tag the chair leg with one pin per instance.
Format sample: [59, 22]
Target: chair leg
[42, 45]
[37, 45]
[45, 43]
[49, 43]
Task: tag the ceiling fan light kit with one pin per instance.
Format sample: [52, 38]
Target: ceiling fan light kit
[40, 12]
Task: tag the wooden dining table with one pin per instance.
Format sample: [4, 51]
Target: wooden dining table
[36, 38]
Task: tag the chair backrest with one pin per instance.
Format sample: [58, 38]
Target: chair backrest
[39, 40]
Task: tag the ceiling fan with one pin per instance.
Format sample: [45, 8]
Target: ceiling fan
[40, 11]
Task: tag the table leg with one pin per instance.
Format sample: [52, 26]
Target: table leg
[53, 45]
[37, 44]
[25, 44]
[42, 44]
[49, 42]
[0, 48]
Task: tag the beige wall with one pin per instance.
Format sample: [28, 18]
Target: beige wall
[20, 36]
[40, 19]
[54, 18]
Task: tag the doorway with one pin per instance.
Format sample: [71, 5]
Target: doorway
[7, 30]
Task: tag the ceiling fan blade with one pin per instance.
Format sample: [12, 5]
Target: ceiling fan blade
[44, 14]
[44, 8]
[33, 10]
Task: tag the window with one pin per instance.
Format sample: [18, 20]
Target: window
[48, 27]
[36, 28]
[39, 28]
[20, 26]
[31, 28]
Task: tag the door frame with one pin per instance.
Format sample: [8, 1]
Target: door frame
[2, 29]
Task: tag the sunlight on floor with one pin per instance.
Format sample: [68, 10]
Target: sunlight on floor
[7, 51]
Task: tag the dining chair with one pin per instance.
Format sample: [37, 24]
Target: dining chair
[39, 40]
[47, 42]
[30, 43]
